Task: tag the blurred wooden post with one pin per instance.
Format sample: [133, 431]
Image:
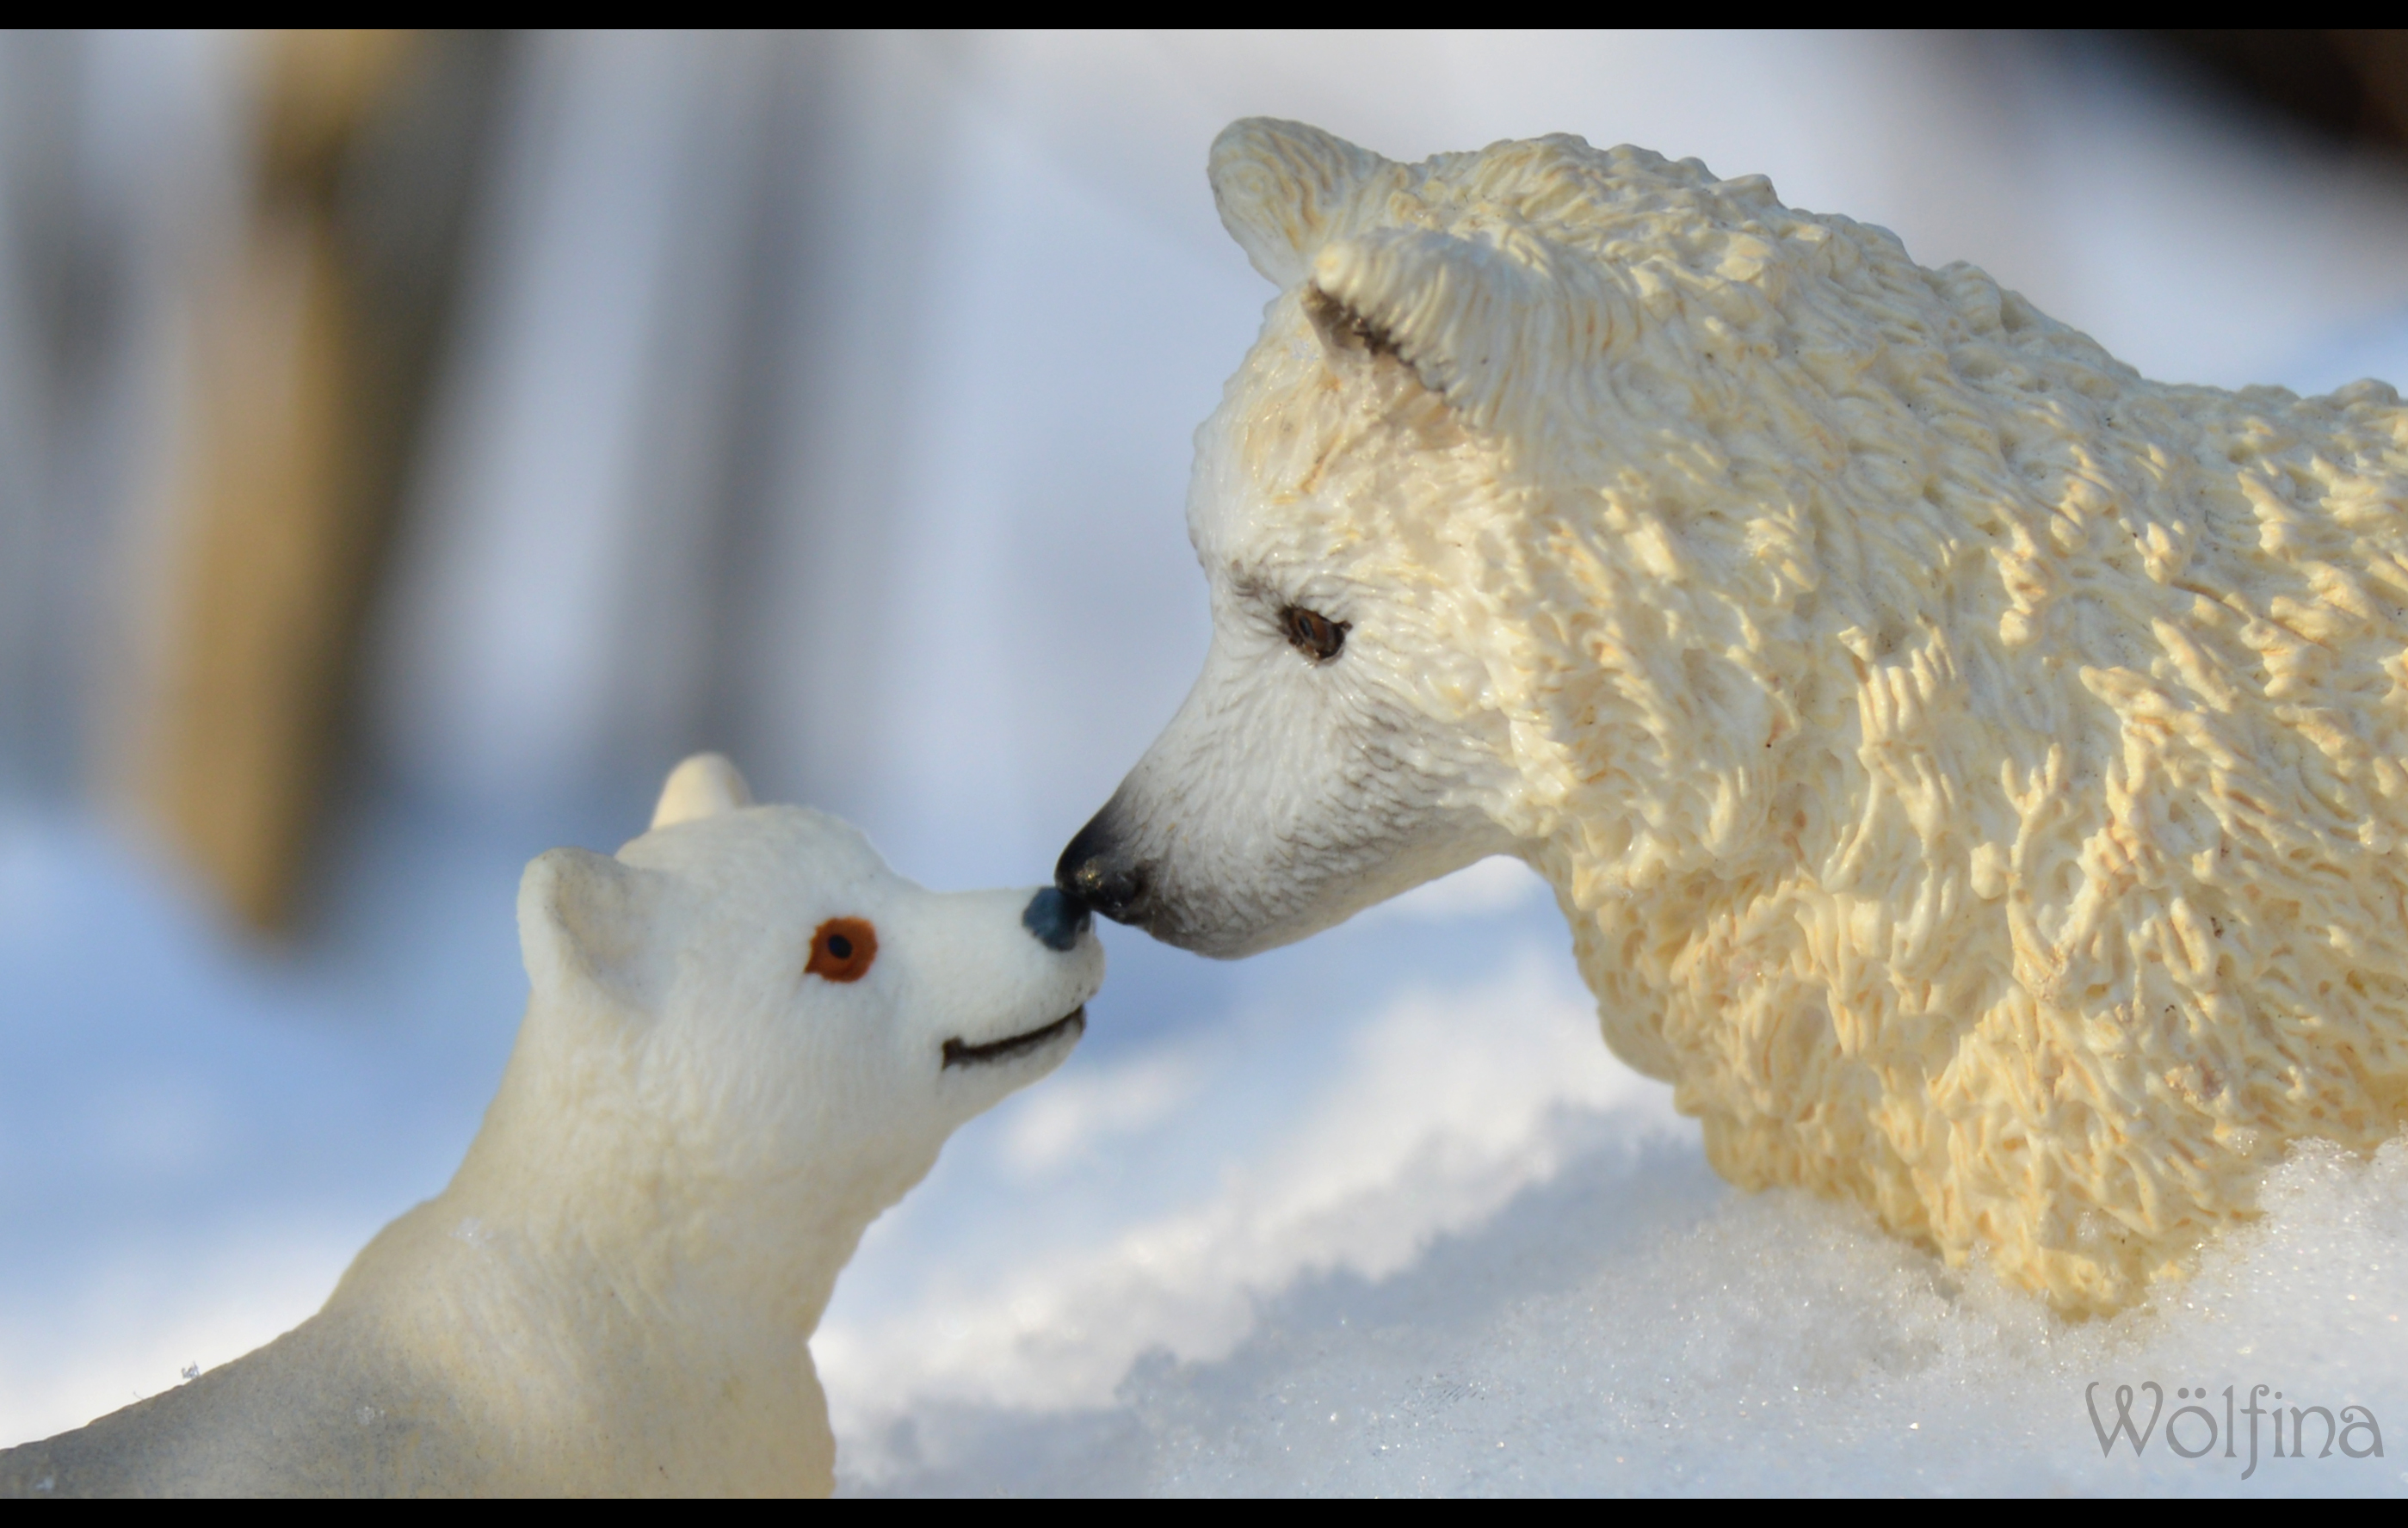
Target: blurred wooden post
[279, 527]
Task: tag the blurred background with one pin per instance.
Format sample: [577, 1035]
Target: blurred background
[412, 443]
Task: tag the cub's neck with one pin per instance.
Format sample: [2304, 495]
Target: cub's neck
[602, 1302]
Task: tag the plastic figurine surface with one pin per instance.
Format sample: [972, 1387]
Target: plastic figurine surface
[1976, 776]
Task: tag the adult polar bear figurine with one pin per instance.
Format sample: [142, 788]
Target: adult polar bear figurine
[747, 1037]
[1973, 773]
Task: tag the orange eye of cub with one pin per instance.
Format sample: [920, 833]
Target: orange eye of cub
[842, 950]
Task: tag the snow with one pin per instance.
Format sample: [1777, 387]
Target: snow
[1483, 1259]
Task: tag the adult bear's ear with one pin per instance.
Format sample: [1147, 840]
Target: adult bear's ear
[1474, 325]
[592, 928]
[703, 786]
[1283, 189]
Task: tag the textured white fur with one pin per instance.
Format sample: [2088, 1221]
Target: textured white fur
[1975, 774]
[616, 1293]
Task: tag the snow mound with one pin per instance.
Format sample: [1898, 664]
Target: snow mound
[1779, 1345]
[1552, 1293]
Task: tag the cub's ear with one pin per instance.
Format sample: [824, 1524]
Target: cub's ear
[1473, 324]
[1284, 188]
[703, 786]
[592, 928]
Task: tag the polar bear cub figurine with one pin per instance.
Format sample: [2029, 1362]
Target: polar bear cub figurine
[747, 1037]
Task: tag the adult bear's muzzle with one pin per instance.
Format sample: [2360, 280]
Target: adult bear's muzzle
[1097, 871]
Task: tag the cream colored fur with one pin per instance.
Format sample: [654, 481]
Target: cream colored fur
[616, 1293]
[1975, 775]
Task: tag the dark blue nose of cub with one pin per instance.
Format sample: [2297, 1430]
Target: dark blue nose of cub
[1055, 919]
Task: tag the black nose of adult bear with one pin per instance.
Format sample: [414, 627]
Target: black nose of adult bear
[1055, 919]
[1094, 873]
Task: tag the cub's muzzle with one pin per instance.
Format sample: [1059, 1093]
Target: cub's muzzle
[1055, 919]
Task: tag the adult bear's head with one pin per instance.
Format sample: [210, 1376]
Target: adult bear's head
[1485, 429]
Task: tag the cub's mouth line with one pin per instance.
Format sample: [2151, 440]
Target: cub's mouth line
[962, 1053]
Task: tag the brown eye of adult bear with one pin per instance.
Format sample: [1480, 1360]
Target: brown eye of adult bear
[1312, 633]
[842, 950]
